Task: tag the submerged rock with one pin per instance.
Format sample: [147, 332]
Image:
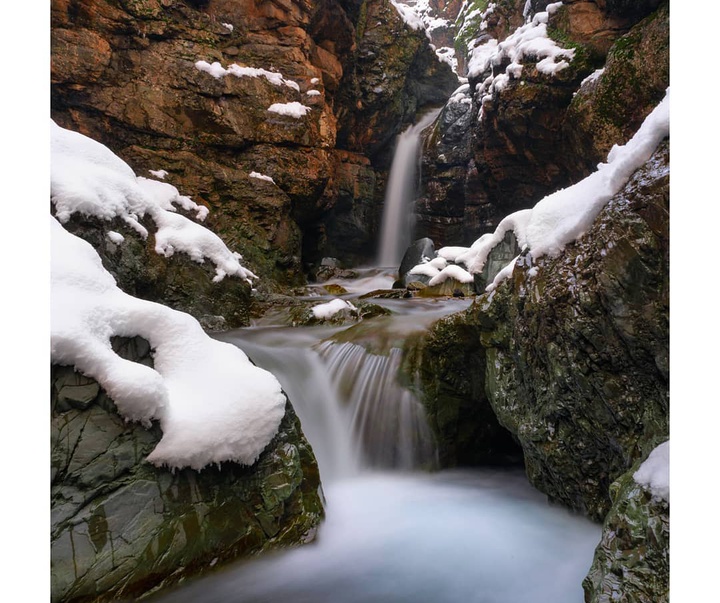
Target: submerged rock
[122, 528]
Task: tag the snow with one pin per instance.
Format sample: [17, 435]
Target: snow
[218, 71]
[451, 271]
[654, 473]
[315, 80]
[260, 176]
[592, 77]
[228, 26]
[329, 309]
[87, 178]
[425, 270]
[115, 237]
[409, 16]
[213, 404]
[293, 109]
[159, 173]
[313, 93]
[450, 253]
[528, 42]
[565, 215]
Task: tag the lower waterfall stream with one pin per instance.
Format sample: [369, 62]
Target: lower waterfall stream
[394, 533]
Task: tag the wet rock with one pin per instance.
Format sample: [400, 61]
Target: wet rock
[121, 528]
[416, 253]
[446, 366]
[448, 288]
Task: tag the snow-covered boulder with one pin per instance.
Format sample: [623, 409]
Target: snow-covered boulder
[121, 526]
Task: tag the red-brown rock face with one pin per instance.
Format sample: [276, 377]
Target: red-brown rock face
[124, 72]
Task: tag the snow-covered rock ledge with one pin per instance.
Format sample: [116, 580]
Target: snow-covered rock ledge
[154, 424]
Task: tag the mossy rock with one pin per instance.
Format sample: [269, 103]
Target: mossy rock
[122, 528]
[577, 350]
[632, 561]
[610, 109]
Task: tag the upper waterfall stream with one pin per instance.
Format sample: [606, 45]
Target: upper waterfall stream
[394, 534]
[397, 221]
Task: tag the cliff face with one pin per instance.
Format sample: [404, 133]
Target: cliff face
[498, 150]
[124, 72]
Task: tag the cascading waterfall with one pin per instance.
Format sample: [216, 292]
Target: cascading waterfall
[387, 420]
[396, 537]
[398, 215]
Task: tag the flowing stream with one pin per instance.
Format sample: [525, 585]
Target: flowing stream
[393, 533]
[398, 217]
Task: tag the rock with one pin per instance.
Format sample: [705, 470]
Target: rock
[176, 281]
[335, 289]
[420, 249]
[448, 288]
[609, 109]
[124, 74]
[577, 354]
[121, 528]
[447, 366]
[632, 561]
[541, 133]
[501, 255]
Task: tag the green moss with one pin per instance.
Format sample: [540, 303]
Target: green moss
[468, 29]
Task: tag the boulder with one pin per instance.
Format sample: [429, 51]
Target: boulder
[415, 254]
[122, 528]
[176, 281]
[577, 347]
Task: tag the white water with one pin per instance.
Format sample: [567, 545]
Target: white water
[453, 537]
[398, 215]
[397, 537]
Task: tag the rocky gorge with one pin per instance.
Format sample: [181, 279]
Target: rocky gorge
[561, 368]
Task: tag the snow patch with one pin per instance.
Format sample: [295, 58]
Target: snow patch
[654, 473]
[293, 109]
[159, 173]
[260, 176]
[88, 178]
[218, 71]
[329, 309]
[115, 237]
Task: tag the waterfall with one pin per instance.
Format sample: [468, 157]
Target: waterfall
[398, 215]
[386, 419]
